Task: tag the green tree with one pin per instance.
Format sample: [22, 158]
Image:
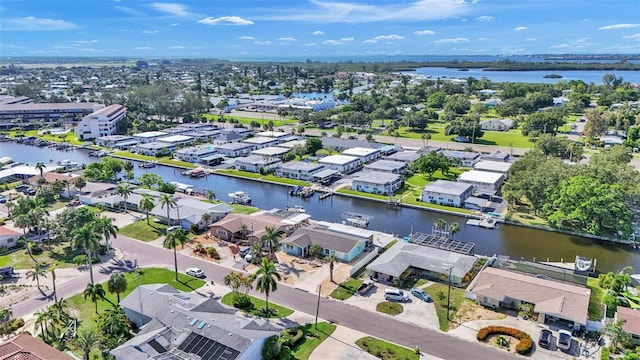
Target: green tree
[331, 259]
[266, 279]
[40, 166]
[87, 239]
[166, 201]
[431, 163]
[94, 292]
[271, 239]
[240, 285]
[79, 183]
[454, 227]
[114, 323]
[42, 320]
[117, 284]
[616, 333]
[87, 340]
[38, 271]
[125, 191]
[150, 179]
[171, 241]
[147, 204]
[105, 227]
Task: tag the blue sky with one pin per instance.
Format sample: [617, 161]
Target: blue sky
[236, 29]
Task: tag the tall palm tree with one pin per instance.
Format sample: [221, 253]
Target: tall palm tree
[42, 319]
[331, 259]
[206, 218]
[440, 225]
[10, 205]
[40, 166]
[125, 191]
[454, 227]
[166, 201]
[616, 332]
[266, 279]
[271, 239]
[52, 270]
[104, 226]
[117, 284]
[113, 322]
[171, 241]
[59, 310]
[147, 205]
[94, 292]
[88, 239]
[35, 274]
[87, 340]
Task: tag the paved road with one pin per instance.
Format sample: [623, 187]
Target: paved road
[378, 325]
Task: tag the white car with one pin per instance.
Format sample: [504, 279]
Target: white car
[195, 272]
[564, 340]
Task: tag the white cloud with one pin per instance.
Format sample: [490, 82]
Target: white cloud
[452, 40]
[143, 48]
[130, 11]
[354, 12]
[247, 37]
[86, 42]
[384, 37]
[530, 39]
[310, 44]
[150, 31]
[347, 39]
[425, 32]
[333, 42]
[580, 44]
[288, 38]
[318, 32]
[521, 28]
[485, 18]
[262, 43]
[226, 20]
[633, 37]
[619, 26]
[177, 47]
[482, 39]
[171, 8]
[175, 24]
[31, 23]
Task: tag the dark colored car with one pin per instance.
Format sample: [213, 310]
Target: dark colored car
[545, 338]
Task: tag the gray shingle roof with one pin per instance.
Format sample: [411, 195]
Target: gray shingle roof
[314, 235]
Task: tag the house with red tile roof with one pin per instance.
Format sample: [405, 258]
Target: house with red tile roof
[632, 322]
[8, 237]
[27, 347]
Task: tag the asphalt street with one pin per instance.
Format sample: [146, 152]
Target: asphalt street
[377, 325]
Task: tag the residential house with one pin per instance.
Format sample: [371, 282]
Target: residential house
[272, 151]
[496, 156]
[482, 181]
[261, 142]
[254, 163]
[496, 124]
[247, 228]
[155, 148]
[177, 140]
[340, 144]
[467, 159]
[388, 166]
[443, 192]
[180, 325]
[149, 136]
[344, 246]
[375, 182]
[197, 127]
[8, 237]
[341, 163]
[272, 134]
[234, 149]
[203, 135]
[116, 141]
[404, 156]
[175, 131]
[27, 347]
[298, 170]
[632, 322]
[290, 144]
[497, 167]
[226, 138]
[365, 155]
[194, 154]
[100, 122]
[553, 301]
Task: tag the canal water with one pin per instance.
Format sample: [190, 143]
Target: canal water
[506, 239]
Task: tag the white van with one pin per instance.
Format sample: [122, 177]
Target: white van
[395, 295]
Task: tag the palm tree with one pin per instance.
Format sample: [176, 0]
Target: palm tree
[117, 284]
[42, 318]
[40, 166]
[167, 201]
[454, 227]
[58, 310]
[205, 218]
[147, 205]
[211, 195]
[67, 184]
[35, 274]
[171, 241]
[266, 279]
[124, 190]
[440, 225]
[94, 292]
[113, 322]
[10, 205]
[53, 279]
[331, 259]
[104, 226]
[79, 183]
[88, 239]
[271, 239]
[87, 340]
[616, 333]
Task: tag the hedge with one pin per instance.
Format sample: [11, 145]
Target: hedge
[11, 326]
[523, 347]
[605, 354]
[291, 337]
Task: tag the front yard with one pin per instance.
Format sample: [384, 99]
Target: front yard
[438, 293]
[142, 231]
[257, 307]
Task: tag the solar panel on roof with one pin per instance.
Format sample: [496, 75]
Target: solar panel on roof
[193, 322]
[207, 349]
[157, 347]
[201, 325]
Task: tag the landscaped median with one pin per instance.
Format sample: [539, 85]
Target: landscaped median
[523, 347]
[385, 350]
[297, 343]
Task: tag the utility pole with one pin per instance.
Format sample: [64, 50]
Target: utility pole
[318, 306]
[140, 293]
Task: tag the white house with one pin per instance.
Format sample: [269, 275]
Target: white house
[467, 159]
[115, 141]
[8, 237]
[235, 149]
[365, 155]
[298, 170]
[341, 163]
[271, 151]
[272, 134]
[178, 140]
[149, 136]
[494, 166]
[261, 142]
[388, 166]
[290, 144]
[194, 154]
[197, 127]
[375, 182]
[404, 156]
[155, 148]
[482, 181]
[496, 124]
[253, 163]
[445, 192]
[496, 156]
[101, 122]
[203, 135]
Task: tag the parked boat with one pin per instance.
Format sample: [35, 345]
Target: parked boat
[240, 197]
[97, 153]
[148, 164]
[199, 172]
[296, 190]
[307, 192]
[295, 208]
[355, 219]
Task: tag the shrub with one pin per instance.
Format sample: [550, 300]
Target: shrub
[291, 337]
[605, 354]
[271, 348]
[35, 249]
[11, 326]
[523, 347]
[3, 249]
[194, 228]
[213, 253]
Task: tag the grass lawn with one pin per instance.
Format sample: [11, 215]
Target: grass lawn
[60, 256]
[285, 181]
[499, 138]
[142, 231]
[388, 307]
[524, 215]
[595, 299]
[457, 297]
[247, 120]
[312, 338]
[385, 350]
[363, 194]
[421, 180]
[84, 309]
[277, 311]
[69, 137]
[238, 173]
[243, 209]
[346, 289]
[165, 160]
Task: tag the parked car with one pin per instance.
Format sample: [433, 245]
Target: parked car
[172, 228]
[195, 272]
[545, 338]
[3, 199]
[29, 191]
[21, 187]
[365, 287]
[396, 295]
[564, 340]
[421, 294]
[244, 251]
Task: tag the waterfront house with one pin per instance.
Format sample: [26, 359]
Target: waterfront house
[344, 246]
[101, 122]
[498, 167]
[116, 141]
[34, 115]
[149, 136]
[298, 170]
[443, 192]
[254, 163]
[496, 124]
[632, 322]
[8, 237]
[155, 148]
[272, 151]
[341, 163]
[467, 159]
[388, 166]
[482, 181]
[553, 301]
[177, 140]
[248, 228]
[235, 149]
[261, 142]
[375, 182]
[194, 154]
[365, 155]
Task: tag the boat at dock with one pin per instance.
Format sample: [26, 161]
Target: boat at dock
[306, 192]
[355, 219]
[148, 164]
[240, 197]
[484, 222]
[296, 209]
[295, 191]
[199, 172]
[98, 153]
[325, 195]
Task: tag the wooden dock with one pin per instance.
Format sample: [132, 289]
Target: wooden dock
[326, 195]
[486, 223]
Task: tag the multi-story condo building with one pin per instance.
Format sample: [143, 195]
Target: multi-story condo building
[101, 122]
[26, 114]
